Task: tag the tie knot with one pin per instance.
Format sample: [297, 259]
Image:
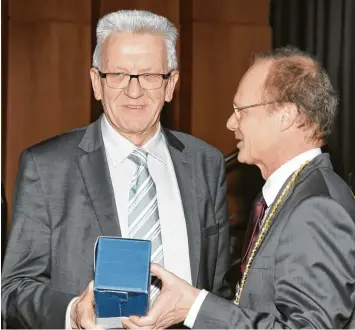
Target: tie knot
[260, 200]
[259, 207]
[139, 157]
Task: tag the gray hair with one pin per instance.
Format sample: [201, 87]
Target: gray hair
[136, 21]
[296, 77]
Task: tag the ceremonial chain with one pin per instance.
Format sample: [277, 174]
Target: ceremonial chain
[264, 229]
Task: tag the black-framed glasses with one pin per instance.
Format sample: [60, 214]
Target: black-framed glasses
[120, 80]
[238, 109]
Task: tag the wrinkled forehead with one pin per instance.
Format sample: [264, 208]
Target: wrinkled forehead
[139, 48]
[251, 86]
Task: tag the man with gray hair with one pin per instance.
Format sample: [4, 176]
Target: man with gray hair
[124, 175]
[298, 264]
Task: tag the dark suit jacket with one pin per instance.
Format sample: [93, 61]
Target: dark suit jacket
[303, 275]
[64, 201]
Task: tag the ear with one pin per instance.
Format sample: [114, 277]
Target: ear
[171, 86]
[287, 116]
[96, 83]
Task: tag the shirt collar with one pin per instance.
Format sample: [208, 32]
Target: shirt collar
[119, 148]
[277, 179]
[156, 146]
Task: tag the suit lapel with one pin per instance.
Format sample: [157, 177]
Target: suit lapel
[186, 180]
[96, 176]
[321, 160]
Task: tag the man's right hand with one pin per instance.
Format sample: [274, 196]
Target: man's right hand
[82, 313]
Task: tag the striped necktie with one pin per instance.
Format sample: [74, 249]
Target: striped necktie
[143, 213]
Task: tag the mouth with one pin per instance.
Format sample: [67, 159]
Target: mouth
[239, 142]
[134, 106]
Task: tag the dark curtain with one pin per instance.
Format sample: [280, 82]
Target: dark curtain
[326, 29]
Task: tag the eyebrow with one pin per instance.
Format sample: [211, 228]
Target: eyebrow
[235, 107]
[150, 70]
[240, 107]
[117, 69]
[253, 105]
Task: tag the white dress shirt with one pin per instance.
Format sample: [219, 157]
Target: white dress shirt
[270, 190]
[171, 213]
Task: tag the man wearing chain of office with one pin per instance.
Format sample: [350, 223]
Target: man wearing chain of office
[298, 263]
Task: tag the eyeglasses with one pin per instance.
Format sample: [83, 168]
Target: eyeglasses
[238, 109]
[120, 80]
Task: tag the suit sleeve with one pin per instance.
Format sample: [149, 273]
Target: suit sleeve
[314, 276]
[27, 298]
[220, 285]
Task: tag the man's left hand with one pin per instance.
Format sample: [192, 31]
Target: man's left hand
[171, 307]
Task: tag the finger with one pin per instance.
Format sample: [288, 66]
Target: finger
[98, 327]
[157, 311]
[156, 269]
[91, 286]
[90, 289]
[164, 324]
[87, 315]
[88, 295]
[87, 323]
[161, 273]
[143, 321]
[129, 324]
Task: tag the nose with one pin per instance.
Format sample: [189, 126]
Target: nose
[134, 89]
[233, 121]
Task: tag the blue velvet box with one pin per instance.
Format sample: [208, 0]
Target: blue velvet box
[122, 279]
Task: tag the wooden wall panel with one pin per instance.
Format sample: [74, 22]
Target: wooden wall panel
[48, 74]
[222, 53]
[77, 11]
[4, 71]
[225, 35]
[169, 8]
[241, 12]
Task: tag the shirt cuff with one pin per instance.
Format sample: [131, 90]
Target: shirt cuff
[68, 316]
[195, 308]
